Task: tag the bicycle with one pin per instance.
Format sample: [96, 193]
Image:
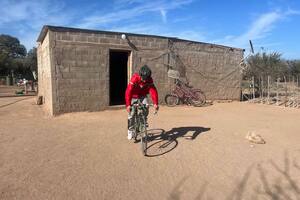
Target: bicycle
[186, 94]
[139, 124]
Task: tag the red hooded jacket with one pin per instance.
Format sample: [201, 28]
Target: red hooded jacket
[138, 88]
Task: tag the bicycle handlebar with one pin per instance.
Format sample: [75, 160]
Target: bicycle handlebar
[139, 103]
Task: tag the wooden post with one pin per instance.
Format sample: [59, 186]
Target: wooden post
[262, 90]
[268, 89]
[298, 93]
[293, 80]
[259, 88]
[277, 91]
[253, 89]
[25, 88]
[294, 92]
[286, 90]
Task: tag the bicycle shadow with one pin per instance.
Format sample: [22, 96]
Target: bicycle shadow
[161, 142]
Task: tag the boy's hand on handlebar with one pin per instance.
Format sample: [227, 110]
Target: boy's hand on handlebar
[128, 108]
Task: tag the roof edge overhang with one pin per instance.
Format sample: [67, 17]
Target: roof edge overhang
[46, 28]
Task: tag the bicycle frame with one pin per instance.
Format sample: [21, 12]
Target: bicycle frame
[138, 118]
[186, 94]
[140, 124]
[182, 91]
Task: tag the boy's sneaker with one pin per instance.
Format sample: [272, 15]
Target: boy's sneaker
[129, 135]
[147, 125]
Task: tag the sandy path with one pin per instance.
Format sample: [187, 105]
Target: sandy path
[87, 155]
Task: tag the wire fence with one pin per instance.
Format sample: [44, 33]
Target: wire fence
[280, 91]
[3, 80]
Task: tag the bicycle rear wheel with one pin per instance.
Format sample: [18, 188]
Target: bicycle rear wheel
[144, 136]
[171, 100]
[198, 98]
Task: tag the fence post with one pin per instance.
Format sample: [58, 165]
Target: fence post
[253, 89]
[268, 89]
[262, 89]
[293, 80]
[25, 88]
[297, 93]
[277, 91]
[293, 93]
[7, 80]
[286, 90]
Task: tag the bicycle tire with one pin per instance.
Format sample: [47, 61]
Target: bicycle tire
[172, 100]
[144, 136]
[198, 99]
[136, 127]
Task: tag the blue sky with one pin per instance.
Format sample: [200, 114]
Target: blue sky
[272, 25]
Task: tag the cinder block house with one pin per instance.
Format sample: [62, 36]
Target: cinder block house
[88, 70]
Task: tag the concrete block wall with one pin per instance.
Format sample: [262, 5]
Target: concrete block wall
[81, 77]
[44, 74]
[81, 62]
[150, 53]
[78, 64]
[212, 68]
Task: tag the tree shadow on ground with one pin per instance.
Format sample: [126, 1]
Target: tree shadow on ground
[282, 185]
[162, 142]
[177, 191]
[285, 186]
[239, 190]
[273, 181]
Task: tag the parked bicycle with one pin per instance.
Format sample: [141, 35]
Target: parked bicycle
[186, 94]
[140, 124]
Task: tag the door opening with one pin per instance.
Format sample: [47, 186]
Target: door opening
[118, 75]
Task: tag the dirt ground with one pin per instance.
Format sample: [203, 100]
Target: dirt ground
[195, 153]
[10, 91]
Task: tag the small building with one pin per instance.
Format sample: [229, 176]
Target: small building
[88, 70]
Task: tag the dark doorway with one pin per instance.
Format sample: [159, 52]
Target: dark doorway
[118, 66]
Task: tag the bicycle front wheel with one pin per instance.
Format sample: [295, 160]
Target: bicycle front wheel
[144, 136]
[135, 127]
[198, 98]
[171, 100]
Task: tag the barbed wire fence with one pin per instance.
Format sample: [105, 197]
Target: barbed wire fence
[273, 90]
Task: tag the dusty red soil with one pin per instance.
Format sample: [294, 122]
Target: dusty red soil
[202, 155]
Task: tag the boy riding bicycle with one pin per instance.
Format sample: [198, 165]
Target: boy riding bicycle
[140, 85]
